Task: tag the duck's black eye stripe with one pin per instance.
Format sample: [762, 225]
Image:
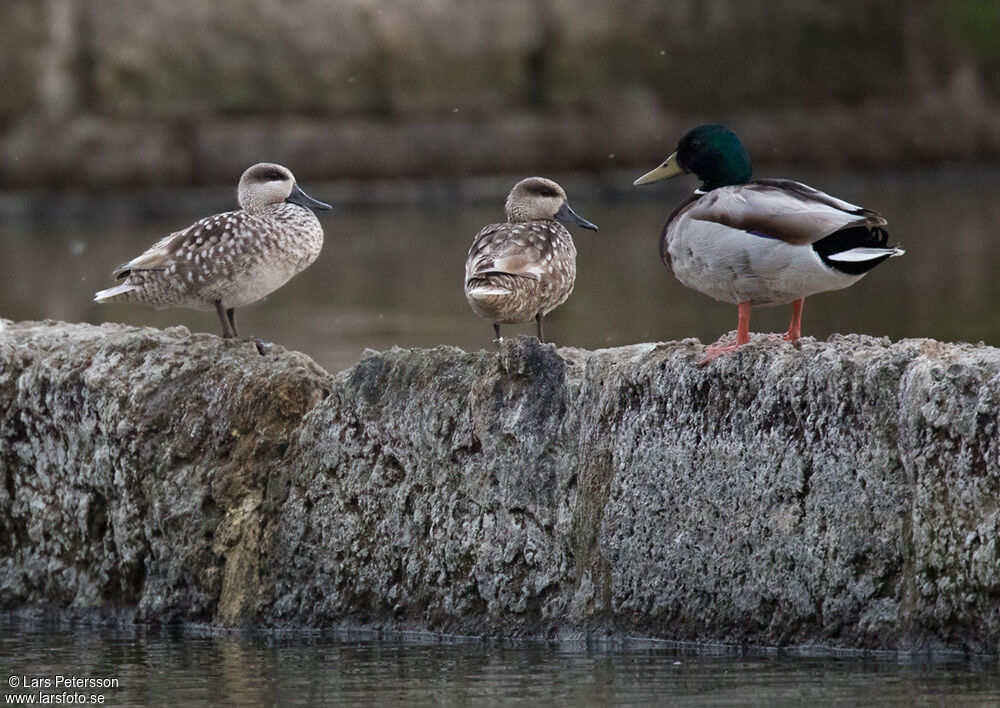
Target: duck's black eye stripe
[265, 175]
[545, 192]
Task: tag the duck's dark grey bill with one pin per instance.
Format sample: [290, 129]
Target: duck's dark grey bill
[571, 217]
[302, 199]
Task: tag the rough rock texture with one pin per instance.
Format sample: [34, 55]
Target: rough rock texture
[841, 493]
[133, 462]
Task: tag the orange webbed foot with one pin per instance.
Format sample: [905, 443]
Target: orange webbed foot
[714, 351]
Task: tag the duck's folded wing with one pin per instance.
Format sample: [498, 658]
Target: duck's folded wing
[499, 250]
[158, 256]
[781, 209]
[180, 246]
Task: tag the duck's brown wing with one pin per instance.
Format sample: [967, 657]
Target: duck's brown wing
[511, 249]
[175, 248]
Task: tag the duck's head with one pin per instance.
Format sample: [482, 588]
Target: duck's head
[712, 152]
[537, 198]
[266, 184]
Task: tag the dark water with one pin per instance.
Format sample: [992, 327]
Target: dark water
[186, 668]
[392, 274]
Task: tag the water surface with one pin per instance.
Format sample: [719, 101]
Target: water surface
[174, 666]
[391, 275]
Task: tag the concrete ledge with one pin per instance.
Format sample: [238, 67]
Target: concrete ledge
[842, 493]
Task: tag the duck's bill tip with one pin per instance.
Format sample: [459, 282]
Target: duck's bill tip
[567, 215]
[670, 168]
[304, 200]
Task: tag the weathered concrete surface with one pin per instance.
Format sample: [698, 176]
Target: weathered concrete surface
[842, 493]
[133, 461]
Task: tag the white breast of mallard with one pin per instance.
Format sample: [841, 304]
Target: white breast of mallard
[557, 258]
[258, 253]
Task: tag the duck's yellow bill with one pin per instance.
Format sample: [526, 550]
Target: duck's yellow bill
[668, 169]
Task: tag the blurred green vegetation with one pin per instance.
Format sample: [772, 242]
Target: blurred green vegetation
[971, 29]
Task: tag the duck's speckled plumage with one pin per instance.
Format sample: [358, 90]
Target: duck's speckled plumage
[229, 259]
[525, 268]
[234, 257]
[516, 271]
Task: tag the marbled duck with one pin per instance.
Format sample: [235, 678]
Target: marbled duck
[231, 259]
[524, 268]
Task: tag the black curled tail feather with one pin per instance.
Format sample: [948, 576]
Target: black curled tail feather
[880, 237]
[853, 237]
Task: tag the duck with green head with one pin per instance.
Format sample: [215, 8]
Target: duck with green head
[761, 242]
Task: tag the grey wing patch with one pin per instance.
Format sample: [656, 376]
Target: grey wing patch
[783, 210]
[805, 192]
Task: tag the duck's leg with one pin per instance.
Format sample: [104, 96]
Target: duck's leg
[231, 314]
[538, 319]
[496, 328]
[227, 327]
[714, 351]
[229, 331]
[795, 326]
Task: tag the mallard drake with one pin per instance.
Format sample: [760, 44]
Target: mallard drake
[760, 242]
[525, 268]
[230, 259]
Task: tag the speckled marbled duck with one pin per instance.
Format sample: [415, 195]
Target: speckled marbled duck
[760, 242]
[231, 259]
[525, 268]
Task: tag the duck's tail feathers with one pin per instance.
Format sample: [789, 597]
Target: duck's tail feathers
[860, 255]
[856, 249]
[115, 293]
[486, 290]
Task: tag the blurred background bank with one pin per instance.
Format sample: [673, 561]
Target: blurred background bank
[104, 93]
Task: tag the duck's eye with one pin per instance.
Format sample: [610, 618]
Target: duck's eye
[545, 192]
[273, 176]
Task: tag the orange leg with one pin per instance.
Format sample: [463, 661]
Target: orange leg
[743, 324]
[716, 350]
[795, 326]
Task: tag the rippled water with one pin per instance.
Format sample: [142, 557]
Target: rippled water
[392, 275]
[190, 668]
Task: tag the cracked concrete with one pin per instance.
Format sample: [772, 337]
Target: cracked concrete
[840, 493]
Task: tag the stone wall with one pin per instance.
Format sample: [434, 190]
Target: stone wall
[840, 493]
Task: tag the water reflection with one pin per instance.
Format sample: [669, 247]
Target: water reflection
[191, 668]
[392, 275]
